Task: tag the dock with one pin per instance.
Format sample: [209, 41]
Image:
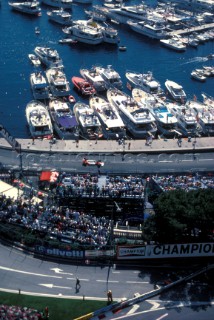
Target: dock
[203, 27]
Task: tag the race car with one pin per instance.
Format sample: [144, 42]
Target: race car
[90, 162]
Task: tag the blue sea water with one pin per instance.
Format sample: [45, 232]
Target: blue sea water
[18, 39]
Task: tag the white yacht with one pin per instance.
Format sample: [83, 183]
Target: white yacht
[175, 90]
[59, 85]
[86, 34]
[66, 4]
[144, 81]
[173, 44]
[88, 120]
[95, 15]
[187, 121]
[110, 76]
[94, 77]
[198, 75]
[167, 123]
[204, 114]
[39, 85]
[64, 121]
[28, 7]
[110, 35]
[138, 119]
[60, 16]
[38, 120]
[153, 31]
[112, 125]
[34, 60]
[124, 13]
[49, 57]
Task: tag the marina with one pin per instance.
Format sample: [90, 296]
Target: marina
[164, 64]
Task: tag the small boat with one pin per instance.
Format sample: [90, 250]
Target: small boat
[68, 41]
[60, 16]
[197, 75]
[34, 59]
[71, 99]
[49, 57]
[38, 120]
[59, 85]
[83, 86]
[37, 30]
[64, 121]
[88, 121]
[122, 48]
[28, 7]
[175, 90]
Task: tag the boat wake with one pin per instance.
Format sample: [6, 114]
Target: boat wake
[196, 59]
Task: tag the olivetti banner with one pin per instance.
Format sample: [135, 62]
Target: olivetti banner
[161, 251]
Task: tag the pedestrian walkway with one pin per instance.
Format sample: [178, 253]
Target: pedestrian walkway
[111, 146]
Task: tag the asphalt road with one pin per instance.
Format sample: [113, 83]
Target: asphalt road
[113, 163]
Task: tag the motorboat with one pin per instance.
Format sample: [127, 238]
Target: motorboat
[60, 16]
[83, 86]
[49, 57]
[28, 7]
[138, 119]
[113, 126]
[123, 13]
[175, 91]
[34, 60]
[86, 34]
[39, 85]
[66, 4]
[59, 85]
[88, 121]
[187, 121]
[92, 76]
[95, 15]
[153, 31]
[38, 120]
[110, 76]
[204, 114]
[37, 30]
[198, 75]
[110, 35]
[63, 119]
[167, 123]
[173, 44]
[145, 81]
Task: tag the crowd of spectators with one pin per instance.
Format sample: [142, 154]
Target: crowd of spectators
[17, 312]
[100, 186]
[184, 182]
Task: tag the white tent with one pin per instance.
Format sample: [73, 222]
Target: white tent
[10, 191]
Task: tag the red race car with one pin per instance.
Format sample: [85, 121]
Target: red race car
[87, 162]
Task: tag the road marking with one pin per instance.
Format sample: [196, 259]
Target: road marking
[163, 316]
[50, 285]
[133, 309]
[115, 271]
[136, 282]
[26, 272]
[76, 279]
[155, 305]
[57, 270]
[112, 281]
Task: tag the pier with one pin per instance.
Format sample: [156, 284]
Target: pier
[203, 27]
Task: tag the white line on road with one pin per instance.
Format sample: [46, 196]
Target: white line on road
[76, 279]
[163, 316]
[26, 272]
[112, 281]
[133, 309]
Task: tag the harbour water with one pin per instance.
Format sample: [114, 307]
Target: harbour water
[18, 39]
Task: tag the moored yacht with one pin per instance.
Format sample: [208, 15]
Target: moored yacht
[94, 77]
[67, 4]
[88, 121]
[124, 13]
[145, 81]
[86, 34]
[49, 57]
[110, 76]
[173, 44]
[39, 85]
[153, 31]
[39, 120]
[60, 16]
[176, 91]
[167, 123]
[138, 119]
[28, 7]
[112, 125]
[59, 85]
[64, 121]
